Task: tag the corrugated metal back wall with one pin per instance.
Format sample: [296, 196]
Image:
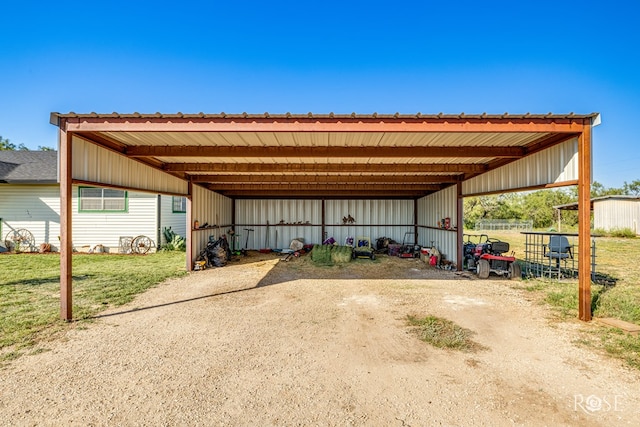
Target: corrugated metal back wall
[434, 208]
[212, 208]
[371, 217]
[254, 214]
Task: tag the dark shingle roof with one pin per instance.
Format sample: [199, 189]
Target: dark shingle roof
[28, 167]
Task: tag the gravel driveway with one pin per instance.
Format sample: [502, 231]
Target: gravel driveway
[264, 342]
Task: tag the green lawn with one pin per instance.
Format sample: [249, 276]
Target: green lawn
[30, 290]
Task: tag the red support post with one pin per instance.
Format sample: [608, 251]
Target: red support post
[66, 245]
[189, 246]
[584, 224]
[459, 226]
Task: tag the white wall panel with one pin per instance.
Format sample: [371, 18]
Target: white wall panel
[254, 214]
[553, 165]
[213, 209]
[432, 209]
[96, 164]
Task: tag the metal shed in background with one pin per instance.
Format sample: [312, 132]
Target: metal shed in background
[231, 165]
[612, 213]
[616, 212]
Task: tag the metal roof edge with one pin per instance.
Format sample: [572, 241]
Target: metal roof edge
[55, 117]
[571, 206]
[29, 181]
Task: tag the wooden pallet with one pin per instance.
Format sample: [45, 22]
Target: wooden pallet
[630, 328]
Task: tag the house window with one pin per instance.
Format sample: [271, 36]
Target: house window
[179, 204]
[92, 199]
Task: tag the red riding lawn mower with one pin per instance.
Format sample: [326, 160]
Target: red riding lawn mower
[485, 256]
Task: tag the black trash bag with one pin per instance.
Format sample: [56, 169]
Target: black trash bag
[217, 252]
[218, 257]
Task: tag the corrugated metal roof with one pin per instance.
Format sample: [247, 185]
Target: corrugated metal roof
[278, 116]
[194, 146]
[574, 206]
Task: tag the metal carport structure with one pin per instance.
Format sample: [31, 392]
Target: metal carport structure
[434, 160]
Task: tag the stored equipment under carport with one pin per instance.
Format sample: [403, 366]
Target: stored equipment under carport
[408, 250]
[485, 256]
[246, 243]
[362, 248]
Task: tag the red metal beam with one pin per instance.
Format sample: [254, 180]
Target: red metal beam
[320, 187]
[325, 167]
[299, 178]
[323, 152]
[341, 124]
[323, 194]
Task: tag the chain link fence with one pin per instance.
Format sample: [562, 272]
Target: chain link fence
[503, 225]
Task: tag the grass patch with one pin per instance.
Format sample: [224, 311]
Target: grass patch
[30, 290]
[443, 333]
[621, 345]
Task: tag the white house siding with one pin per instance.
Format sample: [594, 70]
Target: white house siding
[434, 208]
[34, 207]
[615, 214]
[554, 165]
[92, 228]
[176, 220]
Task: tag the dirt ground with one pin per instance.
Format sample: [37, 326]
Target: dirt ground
[262, 342]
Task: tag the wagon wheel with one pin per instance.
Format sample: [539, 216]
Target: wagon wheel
[515, 272]
[141, 245]
[483, 269]
[20, 240]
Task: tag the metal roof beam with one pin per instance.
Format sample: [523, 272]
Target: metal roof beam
[288, 194]
[299, 178]
[362, 188]
[325, 167]
[324, 152]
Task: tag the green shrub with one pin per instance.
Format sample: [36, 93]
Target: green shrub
[174, 241]
[623, 233]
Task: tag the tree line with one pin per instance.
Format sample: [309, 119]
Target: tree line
[6, 145]
[537, 205]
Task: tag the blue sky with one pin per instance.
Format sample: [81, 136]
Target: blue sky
[364, 57]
